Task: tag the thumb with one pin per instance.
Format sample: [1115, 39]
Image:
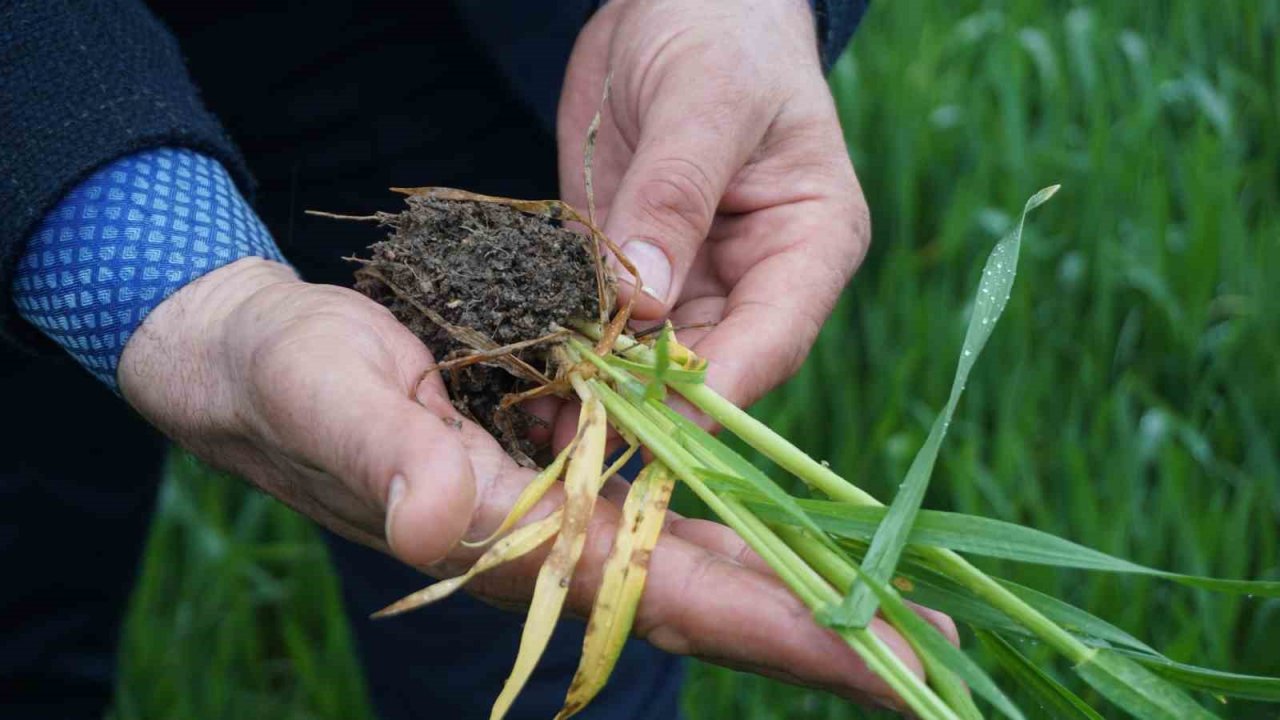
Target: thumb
[406, 461]
[689, 149]
[431, 495]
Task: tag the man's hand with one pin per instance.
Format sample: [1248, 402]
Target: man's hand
[722, 172]
[308, 391]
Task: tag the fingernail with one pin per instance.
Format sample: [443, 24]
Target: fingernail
[654, 268]
[394, 494]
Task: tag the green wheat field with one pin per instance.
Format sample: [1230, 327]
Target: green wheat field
[1130, 399]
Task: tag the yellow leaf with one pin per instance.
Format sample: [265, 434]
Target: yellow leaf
[520, 542]
[622, 585]
[581, 489]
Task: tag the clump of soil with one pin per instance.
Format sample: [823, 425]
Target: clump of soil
[489, 268]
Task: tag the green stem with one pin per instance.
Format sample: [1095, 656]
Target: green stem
[986, 587]
[823, 479]
[837, 569]
[820, 477]
[797, 574]
[762, 437]
[840, 571]
[682, 464]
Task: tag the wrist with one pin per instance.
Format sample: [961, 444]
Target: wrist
[180, 369]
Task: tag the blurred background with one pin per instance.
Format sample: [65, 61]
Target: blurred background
[1129, 400]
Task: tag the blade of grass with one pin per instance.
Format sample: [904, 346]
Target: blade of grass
[891, 537]
[622, 584]
[672, 374]
[1055, 699]
[794, 572]
[552, 584]
[657, 387]
[934, 650]
[1250, 687]
[944, 595]
[520, 542]
[924, 586]
[1073, 618]
[995, 538]
[1135, 689]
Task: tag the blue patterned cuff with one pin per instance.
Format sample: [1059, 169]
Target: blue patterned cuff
[125, 239]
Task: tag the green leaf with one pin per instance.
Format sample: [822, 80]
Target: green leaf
[960, 604]
[927, 588]
[940, 593]
[1055, 699]
[999, 539]
[657, 387]
[672, 374]
[1251, 687]
[891, 538]
[1136, 690]
[1076, 620]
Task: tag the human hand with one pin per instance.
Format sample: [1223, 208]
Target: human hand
[311, 393]
[721, 170]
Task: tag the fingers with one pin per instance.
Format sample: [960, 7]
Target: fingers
[791, 264]
[712, 536]
[693, 138]
[703, 598]
[941, 621]
[701, 603]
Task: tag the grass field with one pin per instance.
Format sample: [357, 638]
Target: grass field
[1130, 400]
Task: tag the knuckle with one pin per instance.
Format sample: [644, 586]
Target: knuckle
[677, 196]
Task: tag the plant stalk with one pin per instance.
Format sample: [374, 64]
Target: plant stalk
[840, 571]
[798, 575]
[822, 478]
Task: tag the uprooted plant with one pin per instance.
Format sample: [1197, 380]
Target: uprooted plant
[517, 305]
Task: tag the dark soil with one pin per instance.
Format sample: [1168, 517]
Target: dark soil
[509, 275]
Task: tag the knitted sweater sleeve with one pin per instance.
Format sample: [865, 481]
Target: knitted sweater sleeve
[82, 83]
